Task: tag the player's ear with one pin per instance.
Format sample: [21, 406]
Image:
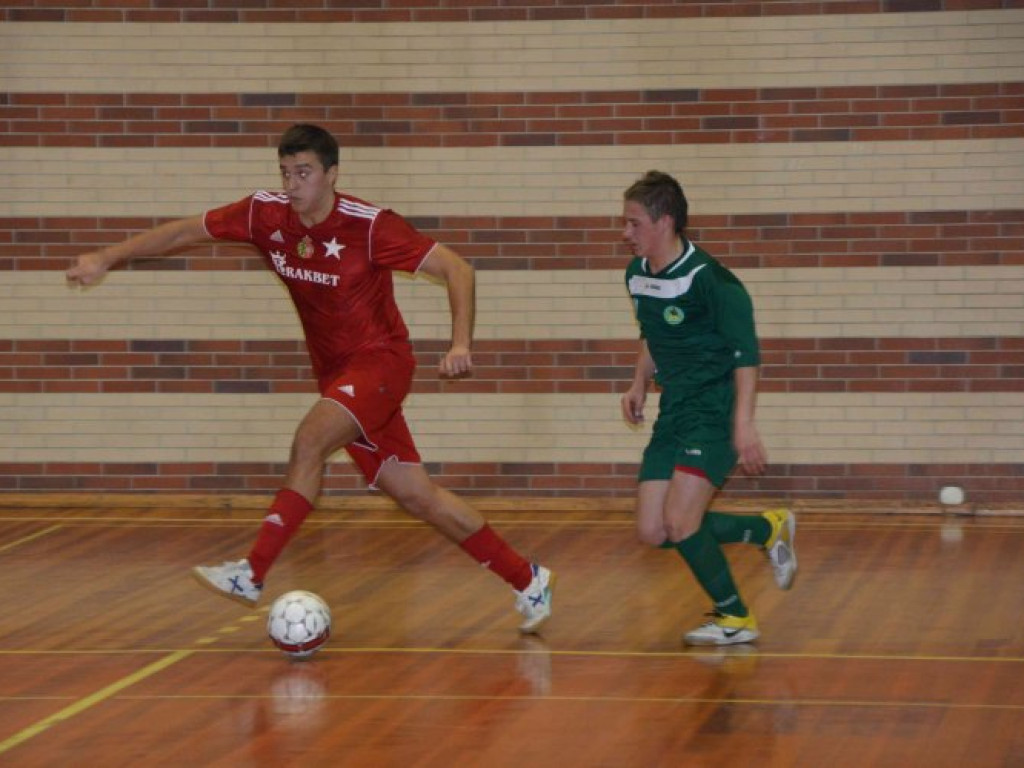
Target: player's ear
[666, 223]
[332, 174]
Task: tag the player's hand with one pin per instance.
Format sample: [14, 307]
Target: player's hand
[633, 406]
[89, 268]
[456, 362]
[752, 455]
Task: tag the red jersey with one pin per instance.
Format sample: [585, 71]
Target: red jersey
[338, 273]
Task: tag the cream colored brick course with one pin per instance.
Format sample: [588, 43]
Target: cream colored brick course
[790, 303]
[812, 428]
[483, 56]
[536, 181]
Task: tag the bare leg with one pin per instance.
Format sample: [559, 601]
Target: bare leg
[671, 510]
[650, 512]
[670, 514]
[325, 429]
[685, 504]
[421, 497]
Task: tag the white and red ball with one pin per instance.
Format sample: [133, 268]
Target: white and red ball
[299, 623]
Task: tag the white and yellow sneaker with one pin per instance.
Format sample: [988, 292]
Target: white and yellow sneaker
[724, 630]
[780, 547]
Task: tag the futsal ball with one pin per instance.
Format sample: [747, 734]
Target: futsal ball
[299, 623]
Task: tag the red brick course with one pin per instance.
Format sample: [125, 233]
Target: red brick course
[990, 364]
[332, 11]
[680, 116]
[742, 241]
[986, 483]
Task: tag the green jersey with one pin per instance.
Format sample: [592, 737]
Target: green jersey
[697, 320]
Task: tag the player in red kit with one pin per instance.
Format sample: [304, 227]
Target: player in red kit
[335, 254]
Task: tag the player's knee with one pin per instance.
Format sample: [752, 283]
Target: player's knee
[652, 535]
[678, 530]
[308, 452]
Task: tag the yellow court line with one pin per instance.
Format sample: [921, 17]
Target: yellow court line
[680, 655]
[30, 537]
[91, 700]
[170, 657]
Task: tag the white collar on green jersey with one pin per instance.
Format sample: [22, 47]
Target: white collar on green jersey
[663, 286]
[680, 260]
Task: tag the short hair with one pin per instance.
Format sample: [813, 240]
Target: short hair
[304, 137]
[660, 195]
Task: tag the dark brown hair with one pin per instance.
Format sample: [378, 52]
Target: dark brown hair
[304, 137]
[660, 195]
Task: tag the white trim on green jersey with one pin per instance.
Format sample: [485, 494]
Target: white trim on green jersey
[660, 288]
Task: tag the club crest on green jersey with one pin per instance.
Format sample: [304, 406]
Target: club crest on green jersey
[673, 315]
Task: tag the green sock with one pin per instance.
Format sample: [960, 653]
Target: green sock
[705, 558]
[737, 529]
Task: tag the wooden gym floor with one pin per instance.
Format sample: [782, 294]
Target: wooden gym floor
[902, 644]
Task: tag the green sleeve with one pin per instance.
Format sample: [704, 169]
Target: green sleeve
[734, 317]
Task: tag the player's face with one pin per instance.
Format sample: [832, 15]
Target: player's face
[647, 238]
[309, 187]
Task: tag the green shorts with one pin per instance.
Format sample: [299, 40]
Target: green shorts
[695, 433]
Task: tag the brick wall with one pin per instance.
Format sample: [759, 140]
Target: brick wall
[858, 164]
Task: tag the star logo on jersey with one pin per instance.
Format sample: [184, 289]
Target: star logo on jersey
[334, 249]
[277, 237]
[347, 389]
[305, 248]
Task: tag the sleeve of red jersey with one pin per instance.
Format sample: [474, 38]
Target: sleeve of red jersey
[231, 222]
[396, 244]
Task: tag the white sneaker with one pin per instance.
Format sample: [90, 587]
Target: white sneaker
[230, 579]
[534, 602]
[781, 546]
[724, 630]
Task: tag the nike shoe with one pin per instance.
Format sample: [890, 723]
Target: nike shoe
[724, 630]
[534, 602]
[781, 546]
[232, 580]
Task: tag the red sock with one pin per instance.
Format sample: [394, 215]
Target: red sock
[283, 519]
[492, 551]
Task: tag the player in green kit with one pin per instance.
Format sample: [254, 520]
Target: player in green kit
[698, 342]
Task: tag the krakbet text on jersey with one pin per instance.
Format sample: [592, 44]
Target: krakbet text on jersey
[304, 275]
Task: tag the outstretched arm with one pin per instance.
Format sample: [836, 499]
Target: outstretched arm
[92, 266]
[446, 265]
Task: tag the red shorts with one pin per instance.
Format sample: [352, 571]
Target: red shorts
[371, 388]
